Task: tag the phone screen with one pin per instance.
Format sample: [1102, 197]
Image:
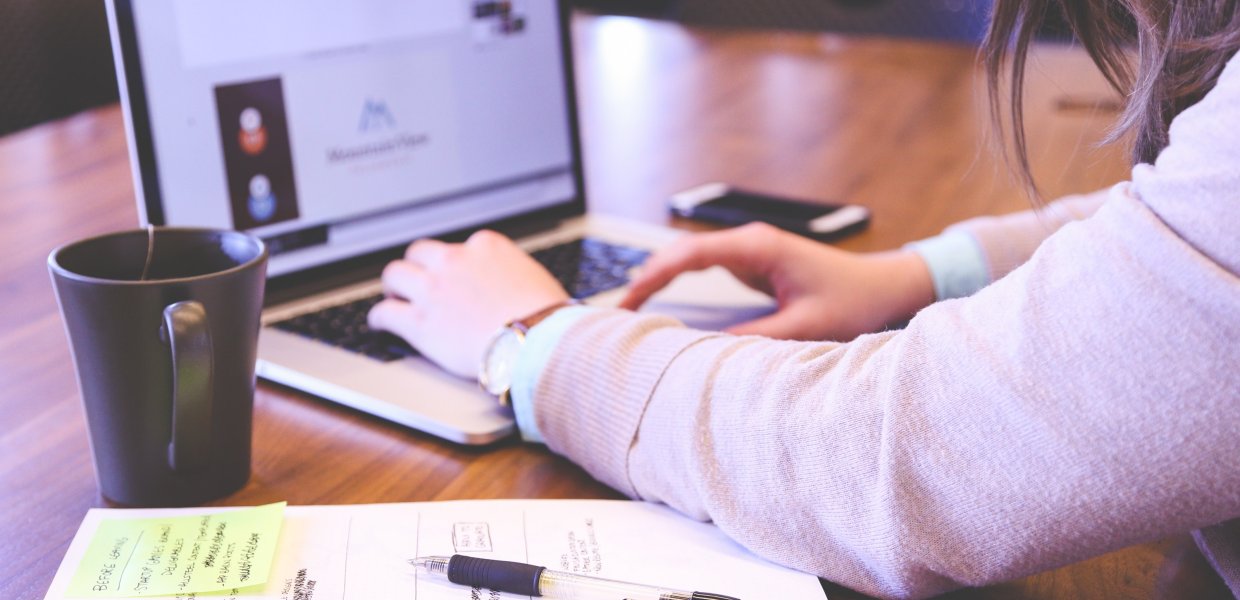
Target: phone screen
[760, 206]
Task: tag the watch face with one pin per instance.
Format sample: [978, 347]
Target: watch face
[499, 362]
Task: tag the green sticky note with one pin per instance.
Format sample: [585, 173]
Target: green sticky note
[184, 554]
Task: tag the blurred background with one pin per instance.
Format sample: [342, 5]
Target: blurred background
[56, 59]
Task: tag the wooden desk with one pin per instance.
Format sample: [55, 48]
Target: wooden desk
[894, 125]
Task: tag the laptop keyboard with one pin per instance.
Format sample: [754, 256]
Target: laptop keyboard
[344, 326]
[584, 267]
[588, 266]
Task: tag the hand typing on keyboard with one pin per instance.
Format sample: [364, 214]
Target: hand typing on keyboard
[344, 326]
[448, 299]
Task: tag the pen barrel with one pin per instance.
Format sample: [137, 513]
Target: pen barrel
[568, 586]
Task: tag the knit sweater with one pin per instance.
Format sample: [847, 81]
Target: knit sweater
[1084, 401]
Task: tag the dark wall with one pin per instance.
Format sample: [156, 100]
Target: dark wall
[55, 60]
[955, 20]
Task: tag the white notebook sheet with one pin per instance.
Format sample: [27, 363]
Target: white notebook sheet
[361, 552]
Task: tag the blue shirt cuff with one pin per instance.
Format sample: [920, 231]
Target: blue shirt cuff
[957, 265]
[540, 342]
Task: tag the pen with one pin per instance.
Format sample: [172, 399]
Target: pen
[530, 580]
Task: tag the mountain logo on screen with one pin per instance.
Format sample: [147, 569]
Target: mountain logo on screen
[253, 136]
[376, 116]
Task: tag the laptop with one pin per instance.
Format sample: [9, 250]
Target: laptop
[338, 132]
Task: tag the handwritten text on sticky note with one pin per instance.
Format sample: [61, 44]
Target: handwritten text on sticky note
[179, 555]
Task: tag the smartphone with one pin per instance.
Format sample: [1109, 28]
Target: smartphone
[726, 205]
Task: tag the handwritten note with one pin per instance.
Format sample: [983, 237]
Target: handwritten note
[179, 555]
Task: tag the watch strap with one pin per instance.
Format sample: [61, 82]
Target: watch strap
[525, 324]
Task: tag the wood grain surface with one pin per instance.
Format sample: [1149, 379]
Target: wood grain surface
[898, 126]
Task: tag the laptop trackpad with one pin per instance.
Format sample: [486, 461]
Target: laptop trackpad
[711, 299]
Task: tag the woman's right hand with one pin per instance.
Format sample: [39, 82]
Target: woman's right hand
[823, 293]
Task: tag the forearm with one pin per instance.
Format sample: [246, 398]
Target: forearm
[982, 443]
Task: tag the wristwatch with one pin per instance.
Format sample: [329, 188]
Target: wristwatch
[500, 358]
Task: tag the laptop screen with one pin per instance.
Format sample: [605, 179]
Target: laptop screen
[332, 129]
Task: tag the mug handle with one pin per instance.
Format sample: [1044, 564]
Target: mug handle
[192, 380]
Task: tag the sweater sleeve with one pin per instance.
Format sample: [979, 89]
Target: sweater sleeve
[1007, 241]
[968, 256]
[1083, 403]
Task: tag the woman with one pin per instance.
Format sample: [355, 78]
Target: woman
[1079, 396]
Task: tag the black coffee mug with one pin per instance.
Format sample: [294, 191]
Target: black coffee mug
[163, 325]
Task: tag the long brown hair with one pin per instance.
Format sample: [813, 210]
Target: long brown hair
[1162, 56]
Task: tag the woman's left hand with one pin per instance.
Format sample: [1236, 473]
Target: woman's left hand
[447, 300]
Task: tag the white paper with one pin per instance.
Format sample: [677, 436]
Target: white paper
[362, 552]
